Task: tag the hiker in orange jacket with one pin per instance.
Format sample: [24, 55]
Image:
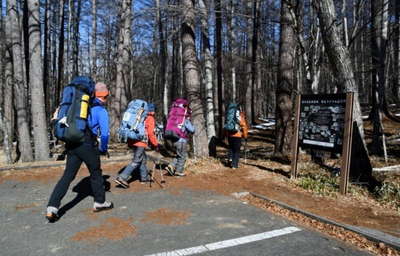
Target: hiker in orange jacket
[139, 154]
[235, 139]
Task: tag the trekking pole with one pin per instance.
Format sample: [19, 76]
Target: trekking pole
[194, 147]
[245, 151]
[161, 175]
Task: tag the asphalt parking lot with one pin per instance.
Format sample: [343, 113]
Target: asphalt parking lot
[159, 222]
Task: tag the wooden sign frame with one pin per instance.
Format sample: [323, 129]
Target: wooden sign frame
[347, 140]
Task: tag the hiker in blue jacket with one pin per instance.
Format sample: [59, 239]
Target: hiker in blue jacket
[98, 119]
[89, 153]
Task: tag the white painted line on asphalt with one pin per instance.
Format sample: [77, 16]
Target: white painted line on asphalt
[229, 243]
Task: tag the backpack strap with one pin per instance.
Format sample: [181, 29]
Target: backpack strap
[182, 125]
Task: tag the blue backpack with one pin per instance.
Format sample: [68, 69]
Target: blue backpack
[132, 124]
[231, 121]
[72, 117]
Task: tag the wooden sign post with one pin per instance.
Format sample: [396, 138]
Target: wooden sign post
[324, 122]
[295, 141]
[346, 151]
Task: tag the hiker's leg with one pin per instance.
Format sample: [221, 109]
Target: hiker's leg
[181, 151]
[230, 143]
[71, 169]
[91, 156]
[175, 160]
[237, 142]
[143, 168]
[136, 162]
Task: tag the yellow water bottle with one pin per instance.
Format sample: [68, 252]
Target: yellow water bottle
[84, 106]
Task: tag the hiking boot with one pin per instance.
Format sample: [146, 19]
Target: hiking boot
[98, 207]
[180, 174]
[52, 214]
[120, 181]
[170, 169]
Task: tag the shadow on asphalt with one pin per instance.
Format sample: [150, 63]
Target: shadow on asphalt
[83, 190]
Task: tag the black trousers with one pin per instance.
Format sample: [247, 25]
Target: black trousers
[234, 150]
[89, 154]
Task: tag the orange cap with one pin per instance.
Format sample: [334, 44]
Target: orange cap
[101, 90]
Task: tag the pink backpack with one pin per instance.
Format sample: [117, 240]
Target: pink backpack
[177, 115]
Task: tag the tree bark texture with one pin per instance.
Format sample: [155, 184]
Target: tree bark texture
[249, 65]
[254, 56]
[8, 110]
[396, 87]
[284, 104]
[378, 49]
[60, 60]
[75, 39]
[163, 61]
[218, 47]
[93, 49]
[338, 55]
[119, 101]
[24, 137]
[232, 47]
[192, 79]
[208, 71]
[46, 61]
[38, 110]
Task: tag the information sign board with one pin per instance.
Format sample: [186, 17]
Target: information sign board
[322, 121]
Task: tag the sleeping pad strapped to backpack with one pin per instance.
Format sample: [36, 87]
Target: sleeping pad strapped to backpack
[132, 124]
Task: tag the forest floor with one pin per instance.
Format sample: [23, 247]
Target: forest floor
[316, 190]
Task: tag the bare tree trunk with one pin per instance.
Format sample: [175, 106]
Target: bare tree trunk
[19, 81]
[7, 79]
[311, 53]
[36, 85]
[338, 55]
[163, 61]
[259, 87]
[218, 46]
[315, 58]
[181, 71]
[249, 65]
[55, 17]
[174, 68]
[8, 117]
[284, 104]
[378, 47]
[192, 79]
[344, 24]
[60, 75]
[208, 71]
[75, 40]
[396, 87]
[93, 49]
[233, 48]
[70, 27]
[119, 100]
[46, 50]
[254, 70]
